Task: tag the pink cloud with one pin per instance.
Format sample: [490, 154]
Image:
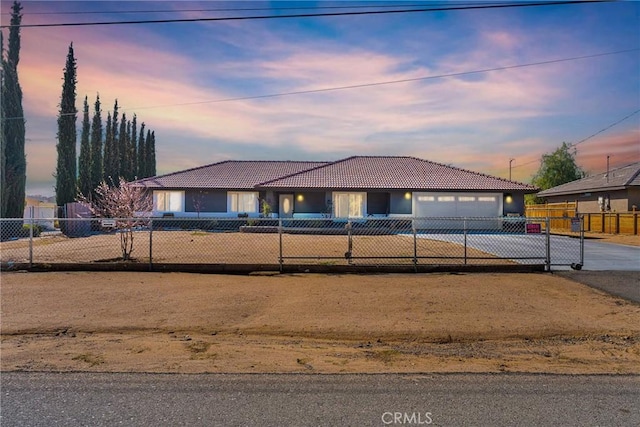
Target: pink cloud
[622, 148]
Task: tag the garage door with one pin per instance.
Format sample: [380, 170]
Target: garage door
[458, 205]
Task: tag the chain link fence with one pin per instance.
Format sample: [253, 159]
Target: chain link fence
[288, 241]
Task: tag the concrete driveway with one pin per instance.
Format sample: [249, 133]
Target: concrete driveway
[564, 251]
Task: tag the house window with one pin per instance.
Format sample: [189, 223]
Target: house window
[349, 205]
[486, 199]
[245, 202]
[169, 201]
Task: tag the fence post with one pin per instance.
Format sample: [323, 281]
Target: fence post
[151, 244]
[415, 244]
[280, 261]
[548, 245]
[31, 209]
[465, 240]
[582, 241]
[349, 253]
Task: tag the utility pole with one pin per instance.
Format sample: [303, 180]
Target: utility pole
[510, 161]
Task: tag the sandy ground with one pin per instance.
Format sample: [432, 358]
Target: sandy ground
[173, 322]
[242, 248]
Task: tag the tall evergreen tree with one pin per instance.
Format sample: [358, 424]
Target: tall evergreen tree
[152, 155]
[107, 161]
[147, 155]
[130, 176]
[111, 165]
[114, 137]
[84, 162]
[66, 147]
[96, 146]
[3, 162]
[123, 149]
[134, 147]
[13, 128]
[142, 165]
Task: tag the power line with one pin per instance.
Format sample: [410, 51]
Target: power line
[589, 137]
[390, 82]
[236, 9]
[606, 128]
[363, 85]
[312, 15]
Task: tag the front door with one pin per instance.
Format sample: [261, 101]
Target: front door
[286, 206]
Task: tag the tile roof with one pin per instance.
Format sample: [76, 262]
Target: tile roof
[620, 178]
[229, 174]
[386, 172]
[357, 172]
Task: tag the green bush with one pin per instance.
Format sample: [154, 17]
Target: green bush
[37, 229]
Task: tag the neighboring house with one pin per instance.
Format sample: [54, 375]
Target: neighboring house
[617, 191]
[43, 208]
[355, 187]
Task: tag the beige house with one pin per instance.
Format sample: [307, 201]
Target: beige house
[44, 211]
[615, 191]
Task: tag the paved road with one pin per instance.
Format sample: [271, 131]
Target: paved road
[74, 399]
[608, 256]
[625, 284]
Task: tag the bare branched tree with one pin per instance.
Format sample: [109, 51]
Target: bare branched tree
[126, 204]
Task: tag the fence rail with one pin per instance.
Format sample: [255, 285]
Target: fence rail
[366, 242]
[596, 222]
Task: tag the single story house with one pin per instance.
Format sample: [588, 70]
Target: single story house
[615, 191]
[354, 187]
[43, 210]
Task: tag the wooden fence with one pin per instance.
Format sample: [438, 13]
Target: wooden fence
[598, 222]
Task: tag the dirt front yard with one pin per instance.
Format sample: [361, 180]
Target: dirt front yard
[174, 322]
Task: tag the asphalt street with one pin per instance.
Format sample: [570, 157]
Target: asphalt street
[88, 399]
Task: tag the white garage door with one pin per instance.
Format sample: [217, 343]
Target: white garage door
[458, 205]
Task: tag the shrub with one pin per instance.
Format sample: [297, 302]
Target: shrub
[37, 230]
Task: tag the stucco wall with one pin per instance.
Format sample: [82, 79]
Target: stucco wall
[620, 201]
[516, 206]
[210, 200]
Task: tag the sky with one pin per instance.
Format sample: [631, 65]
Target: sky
[437, 102]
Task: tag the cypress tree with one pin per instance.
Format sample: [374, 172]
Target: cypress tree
[134, 147]
[84, 162]
[3, 187]
[96, 146]
[123, 150]
[130, 161]
[66, 147]
[152, 154]
[114, 139]
[142, 165]
[13, 128]
[108, 152]
[111, 155]
[147, 155]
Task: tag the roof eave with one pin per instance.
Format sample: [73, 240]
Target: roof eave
[582, 191]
